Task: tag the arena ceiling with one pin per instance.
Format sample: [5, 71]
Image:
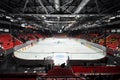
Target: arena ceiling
[62, 15]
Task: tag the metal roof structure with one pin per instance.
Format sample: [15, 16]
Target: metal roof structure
[62, 15]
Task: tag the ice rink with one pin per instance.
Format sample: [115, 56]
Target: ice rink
[59, 49]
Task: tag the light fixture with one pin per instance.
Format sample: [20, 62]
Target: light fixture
[8, 17]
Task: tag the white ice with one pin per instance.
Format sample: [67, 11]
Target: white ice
[73, 48]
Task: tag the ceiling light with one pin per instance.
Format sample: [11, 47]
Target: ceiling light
[8, 17]
[23, 24]
[11, 20]
[43, 16]
[58, 17]
[118, 16]
[60, 31]
[112, 17]
[62, 27]
[19, 18]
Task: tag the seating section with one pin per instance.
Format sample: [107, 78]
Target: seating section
[38, 35]
[112, 41]
[27, 37]
[58, 71]
[22, 37]
[31, 37]
[96, 69]
[17, 42]
[78, 36]
[8, 41]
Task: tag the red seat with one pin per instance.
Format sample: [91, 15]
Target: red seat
[9, 41]
[96, 69]
[60, 72]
